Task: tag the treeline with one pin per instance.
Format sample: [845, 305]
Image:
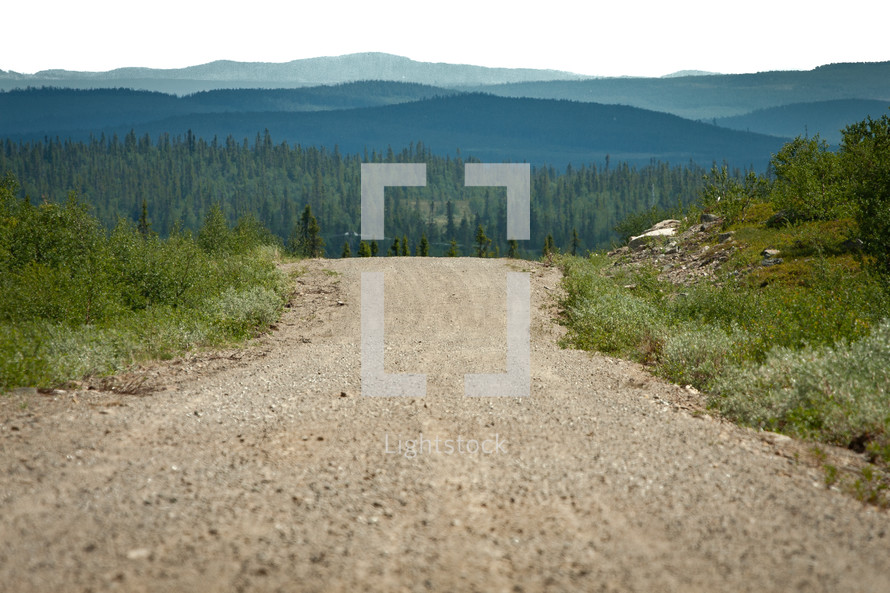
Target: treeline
[179, 178]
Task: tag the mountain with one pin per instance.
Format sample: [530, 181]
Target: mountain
[825, 118]
[682, 73]
[298, 73]
[724, 95]
[487, 127]
[52, 111]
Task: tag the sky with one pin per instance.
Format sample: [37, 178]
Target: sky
[614, 38]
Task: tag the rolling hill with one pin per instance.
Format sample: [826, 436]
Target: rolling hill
[825, 118]
[488, 127]
[718, 96]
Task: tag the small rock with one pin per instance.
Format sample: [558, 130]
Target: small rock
[344, 394]
[772, 262]
[139, 554]
[706, 218]
[770, 253]
[724, 237]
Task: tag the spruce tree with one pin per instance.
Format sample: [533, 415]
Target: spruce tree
[144, 226]
[548, 249]
[307, 240]
[482, 242]
[423, 249]
[347, 252]
[364, 250]
[394, 248]
[452, 251]
[576, 242]
[406, 250]
[514, 249]
[374, 248]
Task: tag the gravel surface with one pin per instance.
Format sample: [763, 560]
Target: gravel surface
[266, 470]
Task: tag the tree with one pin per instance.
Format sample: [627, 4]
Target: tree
[374, 248]
[423, 249]
[576, 242]
[514, 249]
[214, 236]
[406, 250]
[548, 249]
[144, 226]
[394, 248]
[307, 240]
[452, 251]
[482, 242]
[364, 250]
[347, 252]
[865, 153]
[808, 180]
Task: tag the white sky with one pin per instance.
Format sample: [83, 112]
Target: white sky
[611, 38]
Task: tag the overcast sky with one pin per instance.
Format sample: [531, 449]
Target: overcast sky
[612, 38]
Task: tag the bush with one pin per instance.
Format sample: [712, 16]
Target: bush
[808, 182]
[865, 151]
[838, 394]
[729, 198]
[76, 302]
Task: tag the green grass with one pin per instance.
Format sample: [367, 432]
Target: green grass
[801, 348]
[76, 301]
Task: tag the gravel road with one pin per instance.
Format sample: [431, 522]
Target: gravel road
[266, 470]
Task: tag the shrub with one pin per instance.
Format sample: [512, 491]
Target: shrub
[729, 198]
[865, 151]
[808, 182]
[839, 394]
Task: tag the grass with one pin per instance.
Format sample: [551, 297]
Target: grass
[801, 348]
[77, 301]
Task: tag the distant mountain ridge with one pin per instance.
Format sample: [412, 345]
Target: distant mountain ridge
[724, 95]
[297, 73]
[540, 131]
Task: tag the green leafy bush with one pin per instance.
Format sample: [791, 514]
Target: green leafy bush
[839, 394]
[809, 181]
[865, 152]
[77, 302]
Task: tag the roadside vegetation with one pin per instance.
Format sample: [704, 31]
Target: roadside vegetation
[77, 301]
[795, 341]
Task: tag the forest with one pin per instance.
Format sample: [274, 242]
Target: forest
[180, 178]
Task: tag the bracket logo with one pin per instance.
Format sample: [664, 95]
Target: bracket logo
[516, 382]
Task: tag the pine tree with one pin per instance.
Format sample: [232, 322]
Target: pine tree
[576, 242]
[374, 248]
[514, 249]
[394, 248]
[307, 240]
[482, 242]
[548, 249]
[364, 250]
[452, 251]
[423, 249]
[144, 226]
[347, 252]
[406, 250]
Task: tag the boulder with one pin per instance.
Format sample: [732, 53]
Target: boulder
[640, 241]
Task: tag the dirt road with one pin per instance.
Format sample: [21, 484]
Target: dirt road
[268, 471]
